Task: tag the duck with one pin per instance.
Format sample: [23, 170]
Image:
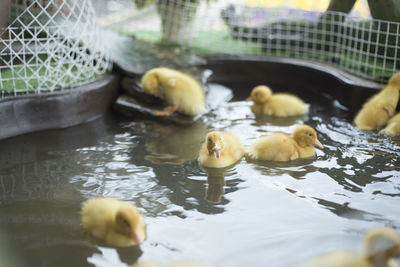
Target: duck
[113, 222]
[285, 147]
[376, 112]
[278, 105]
[181, 91]
[220, 149]
[393, 126]
[380, 245]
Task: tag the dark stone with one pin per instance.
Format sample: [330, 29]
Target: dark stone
[133, 88]
[130, 107]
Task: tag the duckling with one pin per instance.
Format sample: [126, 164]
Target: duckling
[279, 105]
[376, 112]
[220, 149]
[393, 126]
[114, 222]
[181, 91]
[285, 147]
[380, 245]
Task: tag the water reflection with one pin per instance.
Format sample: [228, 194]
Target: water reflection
[297, 169]
[216, 183]
[215, 187]
[253, 208]
[172, 144]
[260, 120]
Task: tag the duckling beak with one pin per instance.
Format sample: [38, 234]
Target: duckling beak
[249, 98]
[136, 237]
[318, 144]
[217, 151]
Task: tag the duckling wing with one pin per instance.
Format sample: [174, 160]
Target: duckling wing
[277, 147]
[373, 116]
[283, 105]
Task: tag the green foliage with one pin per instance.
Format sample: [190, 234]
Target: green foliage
[28, 79]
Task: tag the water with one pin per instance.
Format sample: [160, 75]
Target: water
[270, 214]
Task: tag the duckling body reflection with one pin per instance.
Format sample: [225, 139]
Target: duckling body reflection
[285, 147]
[393, 126]
[376, 112]
[380, 245]
[279, 105]
[114, 222]
[181, 91]
[220, 149]
[215, 186]
[174, 145]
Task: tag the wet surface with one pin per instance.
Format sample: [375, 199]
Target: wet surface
[251, 214]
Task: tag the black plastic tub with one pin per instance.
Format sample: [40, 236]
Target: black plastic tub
[26, 114]
[251, 214]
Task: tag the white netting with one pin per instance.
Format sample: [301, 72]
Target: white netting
[365, 47]
[49, 45]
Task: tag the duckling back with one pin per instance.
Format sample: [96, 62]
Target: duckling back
[284, 105]
[376, 112]
[276, 147]
[99, 220]
[182, 90]
[96, 215]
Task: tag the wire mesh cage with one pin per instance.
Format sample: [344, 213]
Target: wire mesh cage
[49, 45]
[360, 45]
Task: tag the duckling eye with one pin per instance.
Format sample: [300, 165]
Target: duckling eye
[310, 134]
[125, 221]
[209, 140]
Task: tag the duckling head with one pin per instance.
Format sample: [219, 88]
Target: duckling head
[260, 94]
[380, 245]
[395, 80]
[215, 143]
[151, 84]
[129, 223]
[306, 136]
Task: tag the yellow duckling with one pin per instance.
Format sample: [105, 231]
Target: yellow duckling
[376, 112]
[380, 245]
[279, 105]
[285, 147]
[220, 149]
[393, 126]
[114, 222]
[182, 92]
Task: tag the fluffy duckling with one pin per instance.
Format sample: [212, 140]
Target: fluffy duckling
[114, 222]
[376, 112]
[393, 126]
[181, 91]
[279, 105]
[285, 147]
[220, 149]
[380, 245]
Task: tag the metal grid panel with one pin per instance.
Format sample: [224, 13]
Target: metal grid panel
[49, 45]
[365, 47]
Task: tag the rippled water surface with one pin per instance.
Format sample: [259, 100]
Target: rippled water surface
[271, 214]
